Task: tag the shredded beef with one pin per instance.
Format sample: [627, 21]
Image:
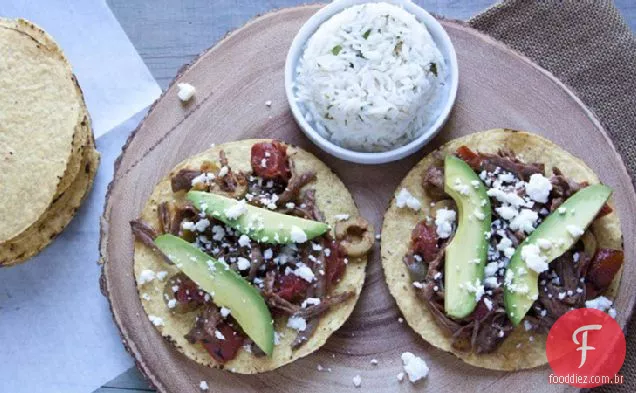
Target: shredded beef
[507, 161]
[479, 332]
[256, 257]
[163, 213]
[433, 182]
[182, 180]
[182, 213]
[206, 327]
[296, 182]
[145, 234]
[559, 295]
[316, 310]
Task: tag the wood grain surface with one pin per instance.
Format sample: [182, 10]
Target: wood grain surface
[498, 88]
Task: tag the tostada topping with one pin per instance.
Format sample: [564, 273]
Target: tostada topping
[251, 241]
[540, 261]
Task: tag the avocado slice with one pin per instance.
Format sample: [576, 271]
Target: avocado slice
[225, 286]
[467, 252]
[556, 231]
[261, 225]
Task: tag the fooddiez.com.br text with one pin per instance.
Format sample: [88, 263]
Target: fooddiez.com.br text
[569, 379]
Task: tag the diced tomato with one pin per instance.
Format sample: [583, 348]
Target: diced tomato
[424, 241]
[605, 210]
[269, 161]
[223, 350]
[189, 292]
[604, 266]
[291, 287]
[470, 157]
[335, 263]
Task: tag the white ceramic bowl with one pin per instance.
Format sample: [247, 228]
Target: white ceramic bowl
[447, 98]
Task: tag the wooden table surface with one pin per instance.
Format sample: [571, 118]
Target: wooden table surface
[170, 33]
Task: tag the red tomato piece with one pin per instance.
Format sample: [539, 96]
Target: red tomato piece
[604, 266]
[291, 287]
[424, 241]
[189, 292]
[470, 157]
[225, 349]
[269, 161]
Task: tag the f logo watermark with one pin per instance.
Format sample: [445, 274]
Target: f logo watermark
[584, 347]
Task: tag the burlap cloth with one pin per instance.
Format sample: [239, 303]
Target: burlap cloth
[588, 46]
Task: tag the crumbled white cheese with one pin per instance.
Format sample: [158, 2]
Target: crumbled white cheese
[527, 325]
[277, 337]
[218, 233]
[490, 269]
[405, 199]
[477, 288]
[524, 221]
[268, 103]
[157, 321]
[507, 212]
[479, 215]
[243, 263]
[341, 217]
[224, 171]
[244, 241]
[297, 323]
[202, 225]
[203, 385]
[460, 187]
[146, 276]
[538, 188]
[544, 244]
[225, 312]
[575, 231]
[235, 211]
[491, 282]
[203, 179]
[531, 254]
[297, 235]
[562, 210]
[374, 362]
[603, 304]
[444, 220]
[304, 272]
[310, 301]
[415, 367]
[267, 254]
[219, 335]
[188, 226]
[357, 381]
[400, 377]
[488, 303]
[511, 198]
[186, 91]
[172, 303]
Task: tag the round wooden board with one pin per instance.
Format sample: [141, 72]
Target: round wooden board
[234, 79]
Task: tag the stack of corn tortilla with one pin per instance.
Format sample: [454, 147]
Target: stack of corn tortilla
[47, 149]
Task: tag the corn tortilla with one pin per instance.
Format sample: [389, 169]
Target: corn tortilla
[398, 223]
[42, 125]
[332, 198]
[59, 214]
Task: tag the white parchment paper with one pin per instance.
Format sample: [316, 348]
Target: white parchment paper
[115, 81]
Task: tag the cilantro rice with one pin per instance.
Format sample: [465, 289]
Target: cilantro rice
[369, 78]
